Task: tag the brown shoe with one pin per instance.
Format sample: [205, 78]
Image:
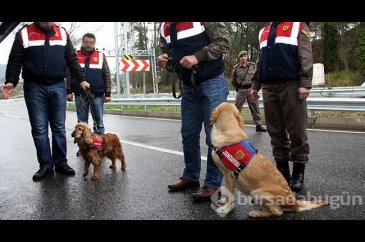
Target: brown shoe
[183, 184]
[203, 194]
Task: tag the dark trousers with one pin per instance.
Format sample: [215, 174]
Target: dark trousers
[286, 119]
[241, 97]
[47, 105]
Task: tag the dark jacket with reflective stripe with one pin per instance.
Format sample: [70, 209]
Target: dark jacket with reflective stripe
[284, 59]
[207, 45]
[42, 63]
[97, 75]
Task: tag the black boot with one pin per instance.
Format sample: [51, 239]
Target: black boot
[260, 128]
[297, 181]
[283, 167]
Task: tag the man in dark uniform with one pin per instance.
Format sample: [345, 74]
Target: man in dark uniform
[284, 72]
[44, 50]
[241, 80]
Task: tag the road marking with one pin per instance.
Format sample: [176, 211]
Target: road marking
[150, 147]
[12, 116]
[337, 131]
[247, 125]
[136, 117]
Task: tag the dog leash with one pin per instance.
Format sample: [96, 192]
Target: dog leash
[87, 95]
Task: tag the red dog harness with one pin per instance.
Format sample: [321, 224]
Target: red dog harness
[237, 156]
[98, 143]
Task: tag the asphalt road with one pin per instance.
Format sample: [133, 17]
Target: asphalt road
[153, 154]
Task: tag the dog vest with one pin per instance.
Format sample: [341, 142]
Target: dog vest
[237, 156]
[98, 142]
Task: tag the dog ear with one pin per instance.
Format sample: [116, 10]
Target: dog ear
[214, 116]
[86, 134]
[239, 118]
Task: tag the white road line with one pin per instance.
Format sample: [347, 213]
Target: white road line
[150, 147]
[336, 131]
[247, 125]
[136, 117]
[12, 116]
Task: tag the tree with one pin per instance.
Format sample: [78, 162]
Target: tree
[330, 47]
[142, 34]
[359, 50]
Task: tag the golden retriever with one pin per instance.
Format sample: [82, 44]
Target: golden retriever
[95, 147]
[260, 178]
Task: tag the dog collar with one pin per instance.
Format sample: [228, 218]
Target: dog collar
[237, 156]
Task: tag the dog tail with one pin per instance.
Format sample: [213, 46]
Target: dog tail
[308, 205]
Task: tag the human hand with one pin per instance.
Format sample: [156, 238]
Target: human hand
[254, 95]
[188, 61]
[8, 90]
[303, 93]
[84, 85]
[69, 97]
[162, 60]
[107, 99]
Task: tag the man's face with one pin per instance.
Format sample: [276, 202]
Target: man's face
[46, 25]
[88, 43]
[243, 58]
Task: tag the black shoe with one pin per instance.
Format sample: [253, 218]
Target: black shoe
[78, 153]
[297, 179]
[260, 128]
[43, 172]
[283, 167]
[65, 170]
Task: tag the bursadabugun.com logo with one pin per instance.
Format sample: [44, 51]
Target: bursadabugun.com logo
[219, 199]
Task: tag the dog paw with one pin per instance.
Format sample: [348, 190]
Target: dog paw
[222, 211]
[124, 167]
[85, 174]
[112, 167]
[223, 200]
[255, 214]
[94, 178]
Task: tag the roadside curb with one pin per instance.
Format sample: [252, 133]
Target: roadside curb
[355, 124]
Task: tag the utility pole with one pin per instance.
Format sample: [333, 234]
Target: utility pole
[125, 51]
[117, 69]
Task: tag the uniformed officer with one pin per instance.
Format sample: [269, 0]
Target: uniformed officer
[285, 74]
[241, 80]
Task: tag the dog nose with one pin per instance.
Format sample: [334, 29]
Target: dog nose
[73, 134]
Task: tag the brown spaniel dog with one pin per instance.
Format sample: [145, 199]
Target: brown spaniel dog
[95, 147]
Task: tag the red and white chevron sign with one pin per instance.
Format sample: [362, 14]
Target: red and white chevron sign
[134, 65]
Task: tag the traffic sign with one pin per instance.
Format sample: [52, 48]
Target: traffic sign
[134, 65]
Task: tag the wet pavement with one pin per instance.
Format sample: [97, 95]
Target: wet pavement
[153, 154]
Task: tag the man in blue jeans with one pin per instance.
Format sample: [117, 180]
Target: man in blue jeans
[97, 73]
[194, 51]
[44, 50]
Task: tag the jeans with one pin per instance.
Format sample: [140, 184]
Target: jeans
[196, 108]
[96, 107]
[47, 104]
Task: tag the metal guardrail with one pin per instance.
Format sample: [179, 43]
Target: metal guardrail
[343, 92]
[326, 104]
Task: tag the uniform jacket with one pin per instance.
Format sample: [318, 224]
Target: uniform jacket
[207, 41]
[285, 54]
[43, 55]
